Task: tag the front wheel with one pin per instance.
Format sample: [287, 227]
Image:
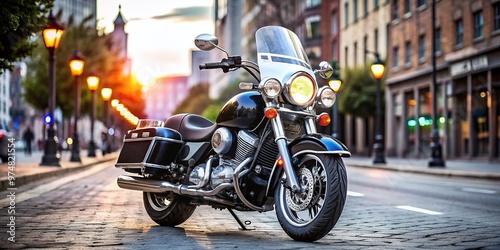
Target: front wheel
[311, 214]
[167, 209]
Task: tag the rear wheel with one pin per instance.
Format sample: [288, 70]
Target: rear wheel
[311, 214]
[168, 209]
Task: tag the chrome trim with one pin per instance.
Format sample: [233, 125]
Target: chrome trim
[339, 152]
[206, 178]
[310, 125]
[159, 186]
[282, 142]
[151, 139]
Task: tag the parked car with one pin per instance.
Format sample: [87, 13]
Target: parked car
[5, 135]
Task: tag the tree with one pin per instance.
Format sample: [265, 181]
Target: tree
[357, 95]
[19, 20]
[100, 58]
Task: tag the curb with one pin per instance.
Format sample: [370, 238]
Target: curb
[435, 172]
[22, 180]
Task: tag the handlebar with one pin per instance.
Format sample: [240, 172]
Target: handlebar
[226, 64]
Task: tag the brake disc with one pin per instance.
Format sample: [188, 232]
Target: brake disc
[300, 201]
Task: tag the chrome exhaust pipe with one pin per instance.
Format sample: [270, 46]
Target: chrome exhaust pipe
[158, 186]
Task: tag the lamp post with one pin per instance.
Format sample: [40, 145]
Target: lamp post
[335, 85]
[51, 38]
[76, 65]
[378, 68]
[436, 159]
[92, 83]
[106, 96]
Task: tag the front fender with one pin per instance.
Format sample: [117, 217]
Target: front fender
[313, 143]
[319, 144]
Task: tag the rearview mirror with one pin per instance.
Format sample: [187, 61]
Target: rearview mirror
[206, 42]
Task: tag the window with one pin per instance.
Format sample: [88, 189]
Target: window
[496, 17]
[375, 4]
[365, 47]
[312, 3]
[478, 24]
[421, 3]
[355, 53]
[438, 41]
[346, 56]
[335, 50]
[375, 35]
[408, 53]
[355, 14]
[335, 24]
[395, 52]
[313, 27]
[408, 6]
[421, 48]
[346, 12]
[459, 34]
[395, 7]
[365, 8]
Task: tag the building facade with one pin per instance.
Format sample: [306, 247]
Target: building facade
[467, 54]
[78, 10]
[164, 96]
[364, 25]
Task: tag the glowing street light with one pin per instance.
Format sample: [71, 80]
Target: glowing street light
[93, 84]
[378, 69]
[52, 34]
[76, 65]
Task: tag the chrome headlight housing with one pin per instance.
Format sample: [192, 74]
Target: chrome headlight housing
[271, 87]
[326, 97]
[301, 89]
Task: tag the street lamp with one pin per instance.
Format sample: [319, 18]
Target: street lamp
[52, 34]
[92, 83]
[335, 85]
[106, 96]
[76, 65]
[436, 159]
[378, 68]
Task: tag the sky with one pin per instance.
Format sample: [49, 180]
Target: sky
[160, 32]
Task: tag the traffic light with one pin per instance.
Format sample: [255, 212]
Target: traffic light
[48, 119]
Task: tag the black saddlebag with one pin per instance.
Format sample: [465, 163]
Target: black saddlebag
[149, 148]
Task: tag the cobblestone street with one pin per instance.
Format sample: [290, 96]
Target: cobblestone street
[94, 212]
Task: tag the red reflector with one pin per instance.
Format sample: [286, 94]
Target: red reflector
[1, 134]
[324, 119]
[271, 113]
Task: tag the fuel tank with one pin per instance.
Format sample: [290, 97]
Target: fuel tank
[245, 111]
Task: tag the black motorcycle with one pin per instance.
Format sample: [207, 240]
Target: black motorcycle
[262, 153]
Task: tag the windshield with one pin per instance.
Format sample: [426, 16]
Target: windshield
[280, 52]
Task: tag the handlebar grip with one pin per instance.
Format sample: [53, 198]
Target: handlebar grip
[216, 65]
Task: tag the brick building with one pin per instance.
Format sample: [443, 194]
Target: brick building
[467, 42]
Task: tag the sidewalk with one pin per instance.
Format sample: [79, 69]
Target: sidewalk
[27, 167]
[453, 168]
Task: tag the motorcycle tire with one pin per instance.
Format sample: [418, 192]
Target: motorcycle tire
[167, 209]
[311, 215]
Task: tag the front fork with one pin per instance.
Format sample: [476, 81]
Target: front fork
[281, 140]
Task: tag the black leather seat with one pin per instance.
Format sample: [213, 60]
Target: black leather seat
[192, 127]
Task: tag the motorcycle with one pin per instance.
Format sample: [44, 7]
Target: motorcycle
[263, 152]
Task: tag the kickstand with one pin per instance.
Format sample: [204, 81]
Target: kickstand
[238, 220]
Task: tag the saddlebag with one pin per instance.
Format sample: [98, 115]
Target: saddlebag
[149, 149]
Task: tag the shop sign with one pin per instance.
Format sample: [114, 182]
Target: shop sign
[467, 66]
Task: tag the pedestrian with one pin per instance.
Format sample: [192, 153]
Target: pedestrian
[28, 137]
[104, 143]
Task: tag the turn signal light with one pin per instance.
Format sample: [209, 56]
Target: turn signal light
[280, 162]
[324, 119]
[271, 113]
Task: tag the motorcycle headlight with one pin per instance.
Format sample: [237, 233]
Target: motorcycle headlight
[326, 97]
[271, 87]
[301, 90]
